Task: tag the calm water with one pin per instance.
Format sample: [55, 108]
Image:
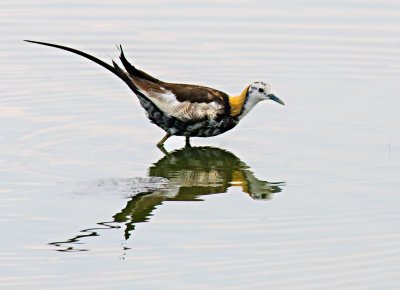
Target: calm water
[298, 197]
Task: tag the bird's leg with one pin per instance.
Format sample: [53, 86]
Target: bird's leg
[187, 143]
[162, 149]
[161, 143]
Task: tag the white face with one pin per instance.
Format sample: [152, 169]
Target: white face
[259, 91]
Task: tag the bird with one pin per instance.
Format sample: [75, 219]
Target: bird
[183, 109]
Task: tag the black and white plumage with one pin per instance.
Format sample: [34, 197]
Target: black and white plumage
[184, 109]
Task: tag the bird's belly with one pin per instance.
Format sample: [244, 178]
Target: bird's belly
[201, 128]
[208, 128]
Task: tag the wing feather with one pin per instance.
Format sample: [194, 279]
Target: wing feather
[182, 101]
[185, 111]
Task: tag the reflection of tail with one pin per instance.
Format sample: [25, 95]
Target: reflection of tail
[114, 69]
[138, 210]
[66, 246]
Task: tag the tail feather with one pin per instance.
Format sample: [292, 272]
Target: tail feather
[133, 71]
[114, 69]
[134, 88]
[81, 53]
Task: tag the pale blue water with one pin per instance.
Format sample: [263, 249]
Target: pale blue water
[88, 202]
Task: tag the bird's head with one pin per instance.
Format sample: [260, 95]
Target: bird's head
[260, 91]
[252, 94]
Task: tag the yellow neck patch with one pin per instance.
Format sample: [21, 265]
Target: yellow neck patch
[237, 102]
[238, 179]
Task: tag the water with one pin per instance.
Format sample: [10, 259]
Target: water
[297, 197]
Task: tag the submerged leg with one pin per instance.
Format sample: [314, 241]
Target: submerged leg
[161, 142]
[187, 141]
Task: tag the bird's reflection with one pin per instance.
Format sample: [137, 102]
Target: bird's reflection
[190, 173]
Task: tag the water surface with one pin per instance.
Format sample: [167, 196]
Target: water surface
[297, 197]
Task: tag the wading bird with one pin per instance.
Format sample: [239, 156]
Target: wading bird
[184, 109]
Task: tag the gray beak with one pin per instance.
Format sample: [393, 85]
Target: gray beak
[276, 99]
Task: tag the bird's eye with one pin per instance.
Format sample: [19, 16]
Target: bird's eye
[261, 90]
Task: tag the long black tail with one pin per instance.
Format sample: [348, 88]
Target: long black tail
[133, 71]
[114, 69]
